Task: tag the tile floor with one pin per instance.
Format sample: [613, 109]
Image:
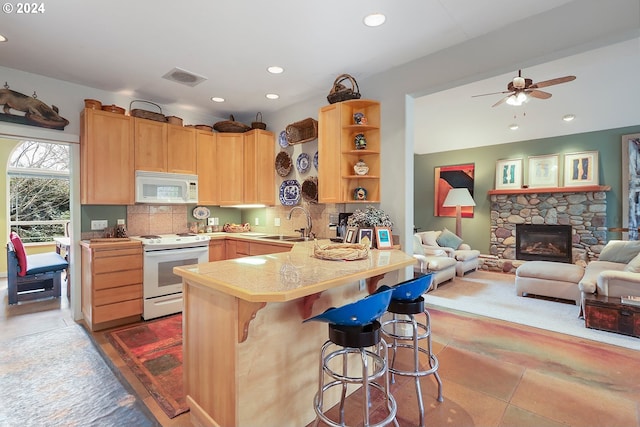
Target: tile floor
[494, 373]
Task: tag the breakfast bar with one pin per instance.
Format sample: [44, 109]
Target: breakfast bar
[249, 361]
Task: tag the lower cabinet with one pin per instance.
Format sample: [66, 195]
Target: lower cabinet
[217, 250]
[111, 283]
[243, 248]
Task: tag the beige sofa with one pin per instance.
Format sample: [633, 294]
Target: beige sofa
[437, 242]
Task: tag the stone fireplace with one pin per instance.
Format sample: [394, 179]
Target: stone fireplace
[542, 242]
[583, 211]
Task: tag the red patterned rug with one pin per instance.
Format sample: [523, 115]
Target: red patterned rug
[153, 351]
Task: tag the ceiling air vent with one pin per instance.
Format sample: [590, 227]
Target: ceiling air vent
[184, 77]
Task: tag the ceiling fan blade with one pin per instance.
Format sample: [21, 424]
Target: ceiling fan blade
[502, 101]
[538, 94]
[492, 93]
[552, 82]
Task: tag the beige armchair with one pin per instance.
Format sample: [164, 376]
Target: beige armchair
[452, 246]
[616, 273]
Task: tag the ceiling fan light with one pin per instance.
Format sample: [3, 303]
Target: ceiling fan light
[513, 126]
[568, 117]
[518, 82]
[374, 19]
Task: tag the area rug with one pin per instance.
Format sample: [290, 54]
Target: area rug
[58, 378]
[493, 295]
[153, 351]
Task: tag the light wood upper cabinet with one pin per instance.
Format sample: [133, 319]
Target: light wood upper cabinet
[151, 145]
[337, 153]
[244, 167]
[208, 193]
[161, 147]
[230, 168]
[259, 172]
[181, 150]
[107, 152]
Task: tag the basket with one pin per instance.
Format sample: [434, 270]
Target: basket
[231, 126]
[236, 228]
[174, 120]
[342, 251]
[93, 104]
[303, 131]
[258, 124]
[145, 114]
[113, 109]
[340, 92]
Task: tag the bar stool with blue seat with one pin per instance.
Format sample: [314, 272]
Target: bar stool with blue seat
[404, 331]
[354, 335]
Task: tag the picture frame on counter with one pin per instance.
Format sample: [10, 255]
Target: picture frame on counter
[351, 235]
[508, 174]
[581, 169]
[543, 171]
[384, 239]
[366, 232]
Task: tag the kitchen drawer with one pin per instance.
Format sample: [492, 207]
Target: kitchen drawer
[106, 313]
[115, 295]
[116, 279]
[118, 263]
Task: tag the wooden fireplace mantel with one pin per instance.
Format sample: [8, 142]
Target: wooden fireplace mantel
[579, 189]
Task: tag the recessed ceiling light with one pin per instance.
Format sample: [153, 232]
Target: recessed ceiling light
[2, 38]
[374, 20]
[272, 96]
[275, 69]
[513, 126]
[568, 117]
[217, 99]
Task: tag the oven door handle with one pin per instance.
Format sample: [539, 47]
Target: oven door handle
[184, 251]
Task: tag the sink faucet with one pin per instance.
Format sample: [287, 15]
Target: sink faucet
[309, 225]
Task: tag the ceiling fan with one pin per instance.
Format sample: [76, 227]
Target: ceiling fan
[520, 89]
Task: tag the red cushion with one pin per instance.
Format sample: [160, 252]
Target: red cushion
[16, 241]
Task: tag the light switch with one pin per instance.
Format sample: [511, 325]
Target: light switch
[99, 224]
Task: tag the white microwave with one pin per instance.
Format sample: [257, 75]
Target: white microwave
[167, 188]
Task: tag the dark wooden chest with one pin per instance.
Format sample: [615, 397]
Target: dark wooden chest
[609, 314]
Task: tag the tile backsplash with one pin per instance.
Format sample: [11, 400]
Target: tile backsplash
[156, 219]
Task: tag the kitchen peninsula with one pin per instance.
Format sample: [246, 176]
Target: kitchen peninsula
[249, 361]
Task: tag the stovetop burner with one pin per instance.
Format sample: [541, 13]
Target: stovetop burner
[172, 241]
[184, 234]
[150, 236]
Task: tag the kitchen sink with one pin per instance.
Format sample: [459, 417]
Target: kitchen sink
[285, 238]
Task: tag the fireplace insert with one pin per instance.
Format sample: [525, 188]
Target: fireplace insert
[543, 242]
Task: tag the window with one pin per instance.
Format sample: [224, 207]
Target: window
[38, 177]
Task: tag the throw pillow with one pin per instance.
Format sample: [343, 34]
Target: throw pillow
[417, 245]
[621, 251]
[634, 265]
[16, 241]
[449, 239]
[430, 238]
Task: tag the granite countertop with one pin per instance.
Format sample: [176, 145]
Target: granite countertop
[290, 275]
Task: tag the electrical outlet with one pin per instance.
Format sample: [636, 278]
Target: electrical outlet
[211, 221]
[216, 221]
[257, 221]
[276, 222]
[121, 222]
[99, 224]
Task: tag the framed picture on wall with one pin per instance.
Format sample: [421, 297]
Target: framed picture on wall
[448, 177]
[581, 169]
[543, 171]
[508, 174]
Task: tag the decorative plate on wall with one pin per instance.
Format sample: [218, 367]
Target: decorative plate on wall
[315, 160]
[303, 163]
[283, 163]
[290, 192]
[201, 212]
[282, 139]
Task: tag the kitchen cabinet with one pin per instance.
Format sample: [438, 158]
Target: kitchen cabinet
[259, 175]
[111, 283]
[161, 147]
[242, 248]
[337, 153]
[208, 193]
[229, 167]
[106, 158]
[217, 250]
[244, 167]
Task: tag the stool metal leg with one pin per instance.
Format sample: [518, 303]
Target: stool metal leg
[433, 361]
